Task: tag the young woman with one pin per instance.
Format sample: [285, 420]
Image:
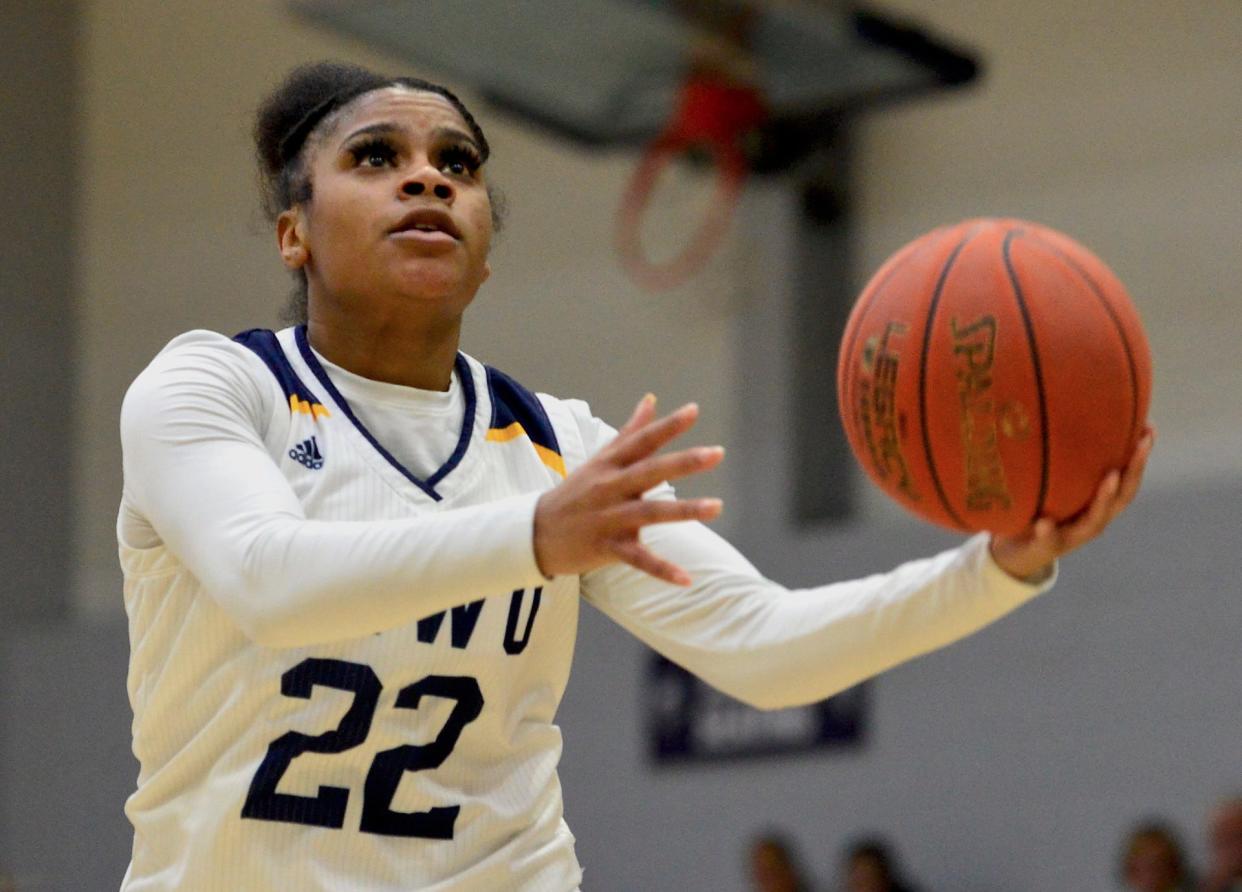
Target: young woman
[354, 555]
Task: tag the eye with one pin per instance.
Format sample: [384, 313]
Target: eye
[460, 160]
[376, 152]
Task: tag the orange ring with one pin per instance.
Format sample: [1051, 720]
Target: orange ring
[731, 164]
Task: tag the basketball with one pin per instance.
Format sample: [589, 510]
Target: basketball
[991, 373]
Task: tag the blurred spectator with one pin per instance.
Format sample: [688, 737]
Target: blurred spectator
[1152, 860]
[871, 866]
[774, 866]
[1224, 873]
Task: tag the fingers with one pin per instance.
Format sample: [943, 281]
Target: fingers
[643, 413]
[645, 438]
[1045, 535]
[1096, 517]
[638, 557]
[1046, 540]
[1132, 477]
[594, 517]
[1116, 492]
[630, 516]
[643, 475]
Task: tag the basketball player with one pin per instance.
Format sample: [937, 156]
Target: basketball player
[354, 555]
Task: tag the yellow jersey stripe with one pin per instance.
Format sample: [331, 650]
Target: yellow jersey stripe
[315, 410]
[505, 434]
[549, 457]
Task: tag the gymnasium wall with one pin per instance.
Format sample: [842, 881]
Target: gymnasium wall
[38, 133]
[1017, 757]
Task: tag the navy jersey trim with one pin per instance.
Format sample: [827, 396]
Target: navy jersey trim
[467, 425]
[265, 345]
[511, 402]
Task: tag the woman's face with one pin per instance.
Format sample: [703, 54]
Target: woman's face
[399, 217]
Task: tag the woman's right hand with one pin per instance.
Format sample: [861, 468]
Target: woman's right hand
[593, 518]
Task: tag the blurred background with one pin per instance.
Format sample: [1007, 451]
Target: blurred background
[1017, 760]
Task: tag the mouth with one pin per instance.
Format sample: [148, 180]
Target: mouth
[427, 224]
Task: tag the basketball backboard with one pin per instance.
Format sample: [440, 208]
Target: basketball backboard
[605, 72]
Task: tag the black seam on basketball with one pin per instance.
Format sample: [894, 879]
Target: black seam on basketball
[927, 333]
[1112, 314]
[848, 349]
[1039, 376]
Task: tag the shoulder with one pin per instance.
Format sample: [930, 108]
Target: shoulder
[590, 434]
[208, 354]
[566, 426]
[201, 370]
[593, 431]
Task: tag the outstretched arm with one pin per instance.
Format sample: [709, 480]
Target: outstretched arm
[774, 647]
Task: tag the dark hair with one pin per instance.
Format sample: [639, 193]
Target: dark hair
[879, 852]
[778, 843]
[1153, 830]
[287, 119]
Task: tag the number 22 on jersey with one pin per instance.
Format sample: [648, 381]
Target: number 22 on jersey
[328, 808]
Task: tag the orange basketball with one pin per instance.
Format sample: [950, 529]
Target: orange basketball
[992, 373]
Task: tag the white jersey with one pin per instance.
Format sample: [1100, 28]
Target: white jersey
[345, 676]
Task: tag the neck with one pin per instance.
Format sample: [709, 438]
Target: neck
[410, 352]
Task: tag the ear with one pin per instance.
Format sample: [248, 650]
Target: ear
[487, 271]
[291, 237]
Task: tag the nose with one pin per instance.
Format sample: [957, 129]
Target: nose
[428, 179]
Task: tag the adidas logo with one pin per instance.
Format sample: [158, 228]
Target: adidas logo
[307, 453]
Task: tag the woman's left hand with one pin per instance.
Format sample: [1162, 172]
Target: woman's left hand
[1029, 553]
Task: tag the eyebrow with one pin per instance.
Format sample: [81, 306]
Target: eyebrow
[382, 127]
[443, 133]
[455, 133]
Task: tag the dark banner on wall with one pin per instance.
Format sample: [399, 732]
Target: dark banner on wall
[688, 721]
